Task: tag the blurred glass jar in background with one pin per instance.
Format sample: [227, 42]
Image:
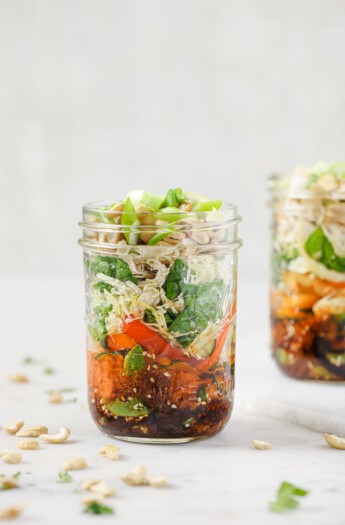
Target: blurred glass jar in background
[308, 272]
[160, 315]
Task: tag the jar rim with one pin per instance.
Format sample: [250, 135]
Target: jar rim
[96, 206]
[278, 186]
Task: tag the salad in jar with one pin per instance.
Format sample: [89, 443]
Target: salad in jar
[161, 302]
[308, 272]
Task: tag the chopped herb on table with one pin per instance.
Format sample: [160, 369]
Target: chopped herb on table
[49, 371]
[98, 508]
[65, 477]
[286, 497]
[28, 360]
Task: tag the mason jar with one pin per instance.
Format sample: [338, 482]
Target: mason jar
[308, 272]
[161, 321]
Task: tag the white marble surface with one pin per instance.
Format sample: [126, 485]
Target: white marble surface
[222, 480]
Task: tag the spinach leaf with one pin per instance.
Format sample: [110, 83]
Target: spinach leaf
[169, 317]
[97, 328]
[202, 304]
[101, 286]
[132, 408]
[321, 250]
[134, 361]
[113, 267]
[173, 199]
[149, 317]
[175, 279]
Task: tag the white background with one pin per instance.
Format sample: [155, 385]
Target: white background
[98, 97]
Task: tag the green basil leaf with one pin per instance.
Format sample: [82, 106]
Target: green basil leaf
[134, 361]
[321, 250]
[202, 305]
[133, 408]
[175, 279]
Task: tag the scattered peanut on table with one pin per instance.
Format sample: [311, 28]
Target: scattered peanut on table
[74, 464]
[28, 444]
[335, 441]
[32, 431]
[13, 427]
[59, 437]
[261, 445]
[111, 452]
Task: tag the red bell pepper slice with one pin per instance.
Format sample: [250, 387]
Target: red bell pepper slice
[153, 342]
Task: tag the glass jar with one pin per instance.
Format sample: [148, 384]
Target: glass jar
[308, 272]
[161, 322]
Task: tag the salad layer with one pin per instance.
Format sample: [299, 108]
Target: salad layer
[308, 274]
[161, 336]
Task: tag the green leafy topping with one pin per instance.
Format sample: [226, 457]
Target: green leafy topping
[188, 422]
[321, 250]
[173, 198]
[17, 475]
[152, 201]
[129, 219]
[65, 477]
[208, 205]
[286, 497]
[97, 328]
[175, 279]
[132, 408]
[113, 267]
[98, 508]
[160, 236]
[202, 305]
[171, 214]
[134, 361]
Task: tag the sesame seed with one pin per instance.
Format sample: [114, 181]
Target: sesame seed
[149, 396]
[173, 406]
[203, 402]
[152, 380]
[168, 402]
[166, 374]
[187, 425]
[129, 398]
[135, 390]
[154, 366]
[199, 399]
